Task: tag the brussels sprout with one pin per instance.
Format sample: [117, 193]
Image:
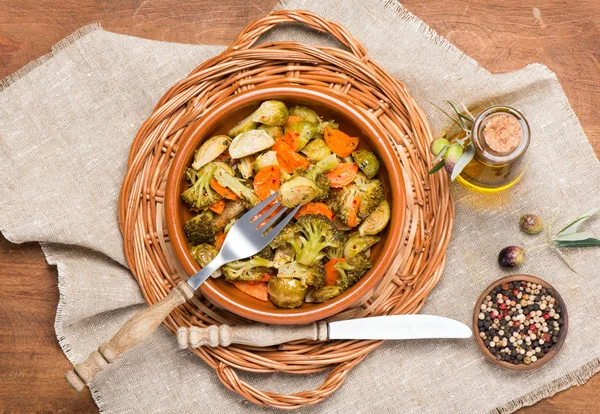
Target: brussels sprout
[245, 165]
[296, 191]
[326, 293]
[245, 125]
[316, 150]
[358, 244]
[376, 221]
[322, 125]
[209, 150]
[271, 113]
[204, 254]
[305, 113]
[274, 131]
[283, 255]
[250, 142]
[225, 166]
[286, 292]
[264, 160]
[367, 162]
[303, 130]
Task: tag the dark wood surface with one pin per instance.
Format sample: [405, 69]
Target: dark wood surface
[501, 35]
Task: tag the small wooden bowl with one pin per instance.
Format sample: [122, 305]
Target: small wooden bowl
[355, 122]
[555, 348]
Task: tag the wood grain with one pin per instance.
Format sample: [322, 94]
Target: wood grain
[500, 35]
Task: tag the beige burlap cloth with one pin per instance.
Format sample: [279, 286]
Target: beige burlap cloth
[66, 123]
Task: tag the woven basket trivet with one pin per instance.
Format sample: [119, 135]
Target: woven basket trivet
[354, 78]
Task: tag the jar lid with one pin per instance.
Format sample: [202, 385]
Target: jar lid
[501, 134]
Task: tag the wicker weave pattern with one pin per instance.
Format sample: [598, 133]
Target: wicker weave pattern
[354, 78]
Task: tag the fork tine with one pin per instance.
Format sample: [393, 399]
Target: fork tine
[259, 207]
[269, 223]
[259, 221]
[277, 229]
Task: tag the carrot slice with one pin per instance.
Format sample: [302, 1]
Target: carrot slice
[352, 215]
[291, 119]
[340, 143]
[223, 191]
[331, 273]
[292, 139]
[267, 181]
[218, 207]
[219, 239]
[257, 290]
[343, 174]
[315, 208]
[287, 158]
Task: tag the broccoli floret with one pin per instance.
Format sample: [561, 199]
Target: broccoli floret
[200, 194]
[266, 253]
[283, 254]
[352, 270]
[200, 229]
[323, 186]
[289, 233]
[237, 186]
[326, 164]
[310, 275]
[370, 193]
[315, 234]
[338, 251]
[251, 270]
[326, 293]
[204, 254]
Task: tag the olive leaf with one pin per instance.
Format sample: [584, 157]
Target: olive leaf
[574, 236]
[448, 115]
[574, 225]
[437, 167]
[463, 161]
[460, 115]
[591, 242]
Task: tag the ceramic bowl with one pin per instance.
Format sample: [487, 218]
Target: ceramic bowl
[553, 350]
[354, 122]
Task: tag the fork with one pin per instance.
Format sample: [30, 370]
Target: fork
[249, 235]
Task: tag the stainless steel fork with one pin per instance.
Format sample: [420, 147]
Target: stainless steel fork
[249, 235]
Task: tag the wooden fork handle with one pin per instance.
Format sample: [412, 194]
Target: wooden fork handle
[135, 330]
[255, 335]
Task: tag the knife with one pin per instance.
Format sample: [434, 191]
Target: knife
[375, 328]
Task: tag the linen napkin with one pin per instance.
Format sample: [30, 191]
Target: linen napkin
[66, 124]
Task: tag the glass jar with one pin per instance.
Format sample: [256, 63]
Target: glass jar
[499, 160]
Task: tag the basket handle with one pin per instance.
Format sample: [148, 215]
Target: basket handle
[254, 30]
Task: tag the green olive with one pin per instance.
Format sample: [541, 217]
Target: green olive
[271, 113]
[305, 113]
[303, 130]
[532, 224]
[452, 155]
[437, 145]
[367, 162]
[286, 292]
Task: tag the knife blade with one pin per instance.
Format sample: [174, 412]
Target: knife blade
[398, 327]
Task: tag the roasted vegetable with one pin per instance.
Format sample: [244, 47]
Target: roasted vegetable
[310, 275]
[376, 221]
[283, 255]
[306, 114]
[271, 113]
[296, 191]
[234, 184]
[244, 125]
[273, 130]
[316, 150]
[326, 293]
[323, 187]
[351, 270]
[266, 253]
[204, 254]
[209, 150]
[200, 194]
[264, 160]
[324, 124]
[247, 270]
[200, 229]
[367, 162]
[286, 292]
[316, 233]
[289, 233]
[245, 166]
[250, 142]
[339, 142]
[303, 131]
[232, 210]
[358, 244]
[326, 164]
[358, 200]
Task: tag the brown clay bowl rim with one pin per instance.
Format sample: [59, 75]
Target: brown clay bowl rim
[376, 138]
[555, 348]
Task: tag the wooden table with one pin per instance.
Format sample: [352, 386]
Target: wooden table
[501, 35]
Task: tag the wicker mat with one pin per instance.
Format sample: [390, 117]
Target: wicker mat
[66, 124]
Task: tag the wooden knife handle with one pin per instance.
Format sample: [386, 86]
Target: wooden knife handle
[255, 335]
[134, 331]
